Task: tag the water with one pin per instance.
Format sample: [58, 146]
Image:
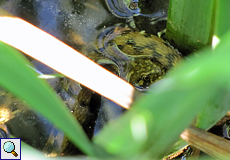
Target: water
[85, 26]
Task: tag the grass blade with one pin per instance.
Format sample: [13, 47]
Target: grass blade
[170, 106]
[222, 23]
[190, 24]
[216, 108]
[19, 79]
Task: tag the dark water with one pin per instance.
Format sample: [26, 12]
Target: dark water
[77, 23]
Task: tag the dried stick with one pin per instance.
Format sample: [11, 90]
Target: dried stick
[207, 142]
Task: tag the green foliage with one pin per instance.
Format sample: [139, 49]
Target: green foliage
[22, 81]
[222, 22]
[199, 87]
[171, 106]
[190, 24]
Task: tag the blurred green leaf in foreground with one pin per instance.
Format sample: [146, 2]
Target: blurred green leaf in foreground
[22, 81]
[199, 86]
[170, 106]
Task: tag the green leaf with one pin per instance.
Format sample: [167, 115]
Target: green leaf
[154, 123]
[218, 105]
[222, 23]
[216, 108]
[190, 24]
[160, 116]
[184, 18]
[20, 80]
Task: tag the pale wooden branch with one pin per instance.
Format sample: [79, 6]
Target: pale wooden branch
[207, 142]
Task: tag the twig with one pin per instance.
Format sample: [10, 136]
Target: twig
[207, 142]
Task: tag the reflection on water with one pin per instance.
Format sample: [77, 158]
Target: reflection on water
[129, 8]
[109, 32]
